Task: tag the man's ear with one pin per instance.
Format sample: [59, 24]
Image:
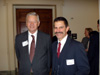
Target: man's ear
[67, 29]
[38, 23]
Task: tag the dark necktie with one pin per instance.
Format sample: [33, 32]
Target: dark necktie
[32, 49]
[58, 51]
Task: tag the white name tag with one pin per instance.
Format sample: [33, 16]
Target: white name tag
[25, 43]
[70, 62]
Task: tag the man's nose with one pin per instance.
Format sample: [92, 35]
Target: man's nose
[58, 30]
[32, 23]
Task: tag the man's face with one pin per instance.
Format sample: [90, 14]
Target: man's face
[60, 29]
[32, 23]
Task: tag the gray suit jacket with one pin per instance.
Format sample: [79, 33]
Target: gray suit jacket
[85, 41]
[41, 61]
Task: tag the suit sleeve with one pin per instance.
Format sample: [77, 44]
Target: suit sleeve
[49, 53]
[17, 48]
[81, 61]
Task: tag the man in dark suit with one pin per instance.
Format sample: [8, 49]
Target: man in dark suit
[33, 48]
[68, 55]
[93, 53]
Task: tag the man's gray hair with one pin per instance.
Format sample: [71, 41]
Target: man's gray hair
[34, 14]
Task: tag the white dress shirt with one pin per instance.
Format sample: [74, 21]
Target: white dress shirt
[30, 39]
[63, 41]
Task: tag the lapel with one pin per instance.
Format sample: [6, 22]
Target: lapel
[55, 49]
[65, 48]
[25, 38]
[38, 40]
[38, 44]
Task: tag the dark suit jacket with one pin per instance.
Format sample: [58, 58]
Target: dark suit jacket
[72, 60]
[93, 53]
[41, 61]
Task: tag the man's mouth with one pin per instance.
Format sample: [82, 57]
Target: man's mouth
[58, 32]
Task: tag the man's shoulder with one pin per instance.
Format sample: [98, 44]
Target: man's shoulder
[54, 43]
[94, 35]
[77, 46]
[85, 38]
[22, 34]
[42, 34]
[75, 42]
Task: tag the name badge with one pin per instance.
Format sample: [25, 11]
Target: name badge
[25, 43]
[70, 62]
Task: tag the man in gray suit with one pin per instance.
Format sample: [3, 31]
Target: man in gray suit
[34, 58]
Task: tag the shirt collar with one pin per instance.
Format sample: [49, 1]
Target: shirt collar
[35, 34]
[63, 40]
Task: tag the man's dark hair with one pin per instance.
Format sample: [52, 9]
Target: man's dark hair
[61, 19]
[98, 21]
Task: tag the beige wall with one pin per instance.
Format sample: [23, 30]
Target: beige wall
[3, 37]
[81, 14]
[99, 35]
[99, 8]
[84, 14]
